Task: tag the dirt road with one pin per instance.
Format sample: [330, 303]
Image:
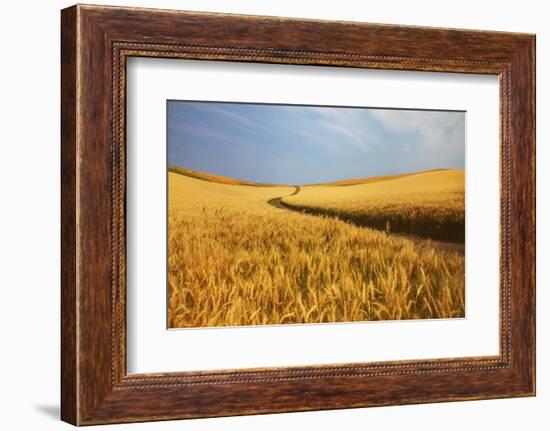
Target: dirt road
[276, 202]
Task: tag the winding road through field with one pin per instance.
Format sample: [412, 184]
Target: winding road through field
[424, 242]
[276, 202]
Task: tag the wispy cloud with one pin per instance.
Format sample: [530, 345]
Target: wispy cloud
[434, 127]
[224, 110]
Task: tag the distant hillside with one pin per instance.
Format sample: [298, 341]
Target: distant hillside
[354, 181]
[235, 181]
[426, 205]
[214, 178]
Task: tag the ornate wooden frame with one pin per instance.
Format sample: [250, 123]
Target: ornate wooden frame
[95, 42]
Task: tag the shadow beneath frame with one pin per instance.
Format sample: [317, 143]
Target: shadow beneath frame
[52, 411]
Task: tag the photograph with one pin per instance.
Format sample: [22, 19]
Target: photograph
[293, 214]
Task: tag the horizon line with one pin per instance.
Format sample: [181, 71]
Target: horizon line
[264, 184]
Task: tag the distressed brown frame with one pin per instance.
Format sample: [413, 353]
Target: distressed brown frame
[95, 43]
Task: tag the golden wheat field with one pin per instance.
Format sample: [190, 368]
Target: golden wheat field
[428, 204]
[235, 259]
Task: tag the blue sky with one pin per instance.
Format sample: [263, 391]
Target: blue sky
[290, 144]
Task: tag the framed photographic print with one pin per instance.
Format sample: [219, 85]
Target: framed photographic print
[264, 214]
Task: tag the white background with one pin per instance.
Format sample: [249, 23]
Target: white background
[29, 219]
[151, 348]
